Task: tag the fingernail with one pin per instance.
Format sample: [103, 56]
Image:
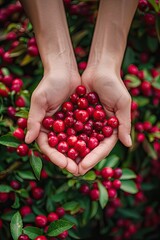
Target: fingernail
[129, 140]
[27, 137]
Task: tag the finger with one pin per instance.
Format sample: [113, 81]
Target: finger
[56, 157]
[36, 115]
[124, 128]
[97, 154]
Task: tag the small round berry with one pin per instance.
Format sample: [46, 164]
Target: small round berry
[140, 137]
[83, 137]
[25, 210]
[74, 98]
[84, 189]
[132, 69]
[63, 235]
[62, 136]
[117, 173]
[52, 216]
[15, 184]
[99, 115]
[58, 126]
[107, 172]
[59, 115]
[80, 145]
[116, 183]
[60, 211]
[92, 143]
[33, 51]
[107, 184]
[94, 194]
[47, 122]
[82, 103]
[78, 126]
[19, 133]
[67, 106]
[90, 111]
[71, 140]
[22, 123]
[100, 137]
[37, 193]
[98, 125]
[82, 115]
[72, 153]
[63, 147]
[4, 197]
[52, 141]
[112, 193]
[85, 152]
[41, 221]
[81, 90]
[41, 238]
[68, 121]
[113, 122]
[20, 102]
[23, 237]
[87, 129]
[93, 98]
[107, 131]
[22, 150]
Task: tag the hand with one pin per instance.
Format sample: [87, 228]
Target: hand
[116, 101]
[55, 87]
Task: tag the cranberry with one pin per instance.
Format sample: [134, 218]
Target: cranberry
[53, 141]
[134, 106]
[17, 81]
[117, 173]
[67, 106]
[63, 147]
[112, 193]
[107, 131]
[60, 211]
[85, 152]
[140, 137]
[19, 133]
[16, 88]
[107, 172]
[107, 184]
[139, 127]
[94, 194]
[99, 115]
[81, 90]
[52, 216]
[63, 235]
[41, 221]
[74, 98]
[149, 19]
[59, 115]
[20, 102]
[98, 107]
[72, 153]
[4, 197]
[82, 115]
[58, 126]
[37, 193]
[147, 126]
[84, 189]
[25, 210]
[90, 111]
[116, 183]
[132, 69]
[62, 136]
[33, 51]
[82, 103]
[100, 137]
[142, 5]
[41, 238]
[22, 123]
[98, 125]
[80, 145]
[92, 98]
[22, 150]
[23, 237]
[7, 58]
[82, 65]
[15, 184]
[87, 129]
[71, 140]
[83, 137]
[113, 122]
[78, 126]
[7, 80]
[47, 122]
[146, 88]
[68, 121]
[92, 143]
[71, 131]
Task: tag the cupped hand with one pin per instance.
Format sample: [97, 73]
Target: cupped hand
[55, 87]
[116, 101]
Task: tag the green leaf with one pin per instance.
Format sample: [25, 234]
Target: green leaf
[16, 225]
[16, 203]
[70, 206]
[23, 193]
[129, 58]
[142, 101]
[128, 213]
[153, 44]
[36, 164]
[156, 82]
[32, 232]
[158, 25]
[94, 209]
[128, 186]
[154, 4]
[22, 113]
[103, 198]
[5, 188]
[127, 174]
[59, 226]
[133, 80]
[110, 161]
[26, 175]
[89, 176]
[9, 141]
[16, 69]
[149, 149]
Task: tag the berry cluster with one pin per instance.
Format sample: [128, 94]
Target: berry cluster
[80, 125]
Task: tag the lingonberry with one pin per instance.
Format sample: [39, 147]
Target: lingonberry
[67, 106]
[60, 211]
[19, 133]
[25, 210]
[99, 115]
[83, 137]
[63, 235]
[84, 189]
[72, 153]
[87, 129]
[81, 90]
[4, 197]
[93, 98]
[37, 193]
[59, 115]
[90, 111]
[107, 131]
[132, 69]
[80, 146]
[41, 221]
[112, 193]
[22, 150]
[140, 137]
[82, 103]
[47, 122]
[22, 123]
[107, 172]
[71, 132]
[41, 238]
[58, 126]
[113, 122]
[20, 102]
[53, 141]
[92, 143]
[117, 173]
[85, 152]
[78, 126]
[149, 19]
[142, 5]
[71, 140]
[62, 136]
[23, 237]
[63, 147]
[52, 216]
[15, 184]
[7, 80]
[82, 65]
[74, 98]
[17, 81]
[147, 125]
[68, 121]
[82, 115]
[33, 51]
[116, 183]
[94, 194]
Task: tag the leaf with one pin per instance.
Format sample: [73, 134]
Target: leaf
[152, 44]
[69, 206]
[110, 161]
[149, 149]
[32, 232]
[73, 235]
[5, 188]
[89, 176]
[16, 69]
[16, 203]
[26, 175]
[23, 193]
[128, 213]
[142, 101]
[128, 186]
[22, 113]
[154, 4]
[59, 226]
[94, 209]
[16, 225]
[103, 198]
[36, 164]
[9, 141]
[127, 174]
[158, 26]
[156, 82]
[27, 59]
[133, 80]
[129, 58]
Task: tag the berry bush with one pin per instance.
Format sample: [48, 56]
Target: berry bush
[118, 199]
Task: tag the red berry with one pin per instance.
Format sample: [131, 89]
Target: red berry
[60, 211]
[4, 197]
[25, 210]
[149, 19]
[74, 98]
[112, 193]
[147, 126]
[142, 5]
[53, 141]
[134, 106]
[22, 123]
[71, 140]
[92, 143]
[140, 137]
[52, 216]
[81, 90]
[11, 111]
[113, 122]
[83, 137]
[71, 132]
[16, 88]
[23, 237]
[107, 172]
[82, 103]
[90, 111]
[63, 147]
[98, 107]
[37, 193]
[63, 235]
[92, 98]
[82, 65]
[80, 145]
[78, 126]
[41, 238]
[107, 131]
[41, 221]
[72, 153]
[22, 150]
[146, 88]
[94, 194]
[100, 137]
[107, 184]
[117, 173]
[82, 115]
[116, 183]
[47, 122]
[15, 184]
[62, 136]
[59, 115]
[67, 106]
[33, 51]
[84, 189]
[99, 115]
[58, 126]
[68, 121]
[17, 81]
[19, 133]
[85, 152]
[7, 80]
[132, 69]
[20, 102]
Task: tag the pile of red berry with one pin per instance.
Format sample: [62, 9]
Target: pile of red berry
[80, 125]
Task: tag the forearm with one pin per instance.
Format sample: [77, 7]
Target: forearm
[111, 31]
[51, 30]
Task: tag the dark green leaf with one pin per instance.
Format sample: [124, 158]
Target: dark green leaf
[89, 176]
[133, 80]
[16, 203]
[26, 175]
[110, 161]
[128, 186]
[73, 235]
[5, 188]
[22, 113]
[127, 174]
[16, 225]
[149, 149]
[9, 141]
[23, 193]
[16, 69]
[128, 213]
[32, 232]
[142, 101]
[152, 44]
[70, 206]
[59, 226]
[103, 195]
[36, 164]
[94, 209]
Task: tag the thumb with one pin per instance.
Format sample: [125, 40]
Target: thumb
[36, 114]
[124, 116]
